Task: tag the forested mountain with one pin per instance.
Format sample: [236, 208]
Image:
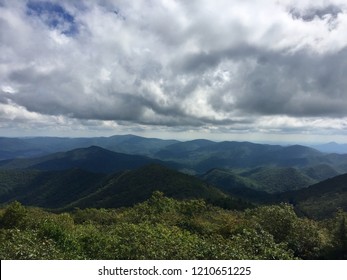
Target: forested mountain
[320, 200]
[97, 177]
[49, 189]
[204, 156]
[135, 186]
[319, 172]
[278, 179]
[331, 147]
[80, 188]
[196, 156]
[110, 205]
[37, 146]
[94, 159]
[268, 179]
[242, 170]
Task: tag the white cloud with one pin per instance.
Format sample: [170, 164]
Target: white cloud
[233, 65]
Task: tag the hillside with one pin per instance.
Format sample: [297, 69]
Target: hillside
[194, 157]
[10, 180]
[226, 171]
[84, 189]
[138, 185]
[180, 150]
[320, 172]
[320, 200]
[11, 148]
[265, 179]
[278, 179]
[203, 156]
[135, 145]
[331, 147]
[49, 189]
[94, 159]
[218, 155]
[237, 186]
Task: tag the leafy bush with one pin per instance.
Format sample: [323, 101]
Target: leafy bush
[14, 216]
[27, 244]
[303, 236]
[164, 228]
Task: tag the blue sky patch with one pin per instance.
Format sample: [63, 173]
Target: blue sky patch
[54, 16]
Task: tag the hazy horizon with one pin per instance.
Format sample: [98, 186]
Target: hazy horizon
[187, 138]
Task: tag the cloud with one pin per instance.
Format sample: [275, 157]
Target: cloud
[173, 64]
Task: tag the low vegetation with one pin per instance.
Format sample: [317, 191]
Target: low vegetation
[165, 228]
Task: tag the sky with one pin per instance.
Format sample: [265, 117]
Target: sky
[255, 70]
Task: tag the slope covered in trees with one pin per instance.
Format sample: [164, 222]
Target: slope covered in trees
[80, 188]
[93, 159]
[235, 210]
[197, 156]
[38, 146]
[267, 179]
[320, 200]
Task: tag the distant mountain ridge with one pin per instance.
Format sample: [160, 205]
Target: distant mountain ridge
[38, 146]
[94, 176]
[194, 157]
[93, 159]
[331, 147]
[203, 156]
[68, 189]
[265, 179]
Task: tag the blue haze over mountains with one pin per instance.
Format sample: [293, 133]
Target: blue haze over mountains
[123, 170]
[198, 155]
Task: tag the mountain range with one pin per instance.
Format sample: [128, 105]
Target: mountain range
[94, 159]
[196, 156]
[84, 189]
[63, 173]
[38, 146]
[331, 147]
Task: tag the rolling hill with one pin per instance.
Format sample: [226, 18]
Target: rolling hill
[320, 172]
[131, 187]
[331, 147]
[49, 189]
[203, 156]
[320, 200]
[11, 148]
[228, 179]
[278, 179]
[93, 159]
[264, 179]
[67, 189]
[237, 186]
[195, 157]
[94, 176]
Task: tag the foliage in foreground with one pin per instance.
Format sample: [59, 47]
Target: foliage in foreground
[164, 228]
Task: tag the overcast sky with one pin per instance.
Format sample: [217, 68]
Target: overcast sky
[222, 69]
